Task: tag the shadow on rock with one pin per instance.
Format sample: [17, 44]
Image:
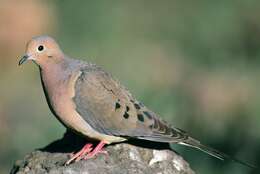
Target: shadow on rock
[73, 142]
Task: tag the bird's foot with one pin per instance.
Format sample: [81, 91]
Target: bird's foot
[79, 155]
[88, 152]
[99, 149]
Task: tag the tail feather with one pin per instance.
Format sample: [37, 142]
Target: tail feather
[213, 152]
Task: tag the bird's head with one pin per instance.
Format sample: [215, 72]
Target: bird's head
[42, 50]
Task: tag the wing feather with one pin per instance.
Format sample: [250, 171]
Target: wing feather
[111, 109]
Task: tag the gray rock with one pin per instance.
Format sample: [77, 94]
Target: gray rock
[123, 158]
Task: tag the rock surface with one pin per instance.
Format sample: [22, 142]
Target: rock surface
[123, 158]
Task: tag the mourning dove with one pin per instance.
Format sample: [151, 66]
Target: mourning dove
[89, 101]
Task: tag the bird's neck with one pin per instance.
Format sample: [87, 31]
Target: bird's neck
[54, 74]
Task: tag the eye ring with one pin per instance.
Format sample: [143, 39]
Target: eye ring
[40, 48]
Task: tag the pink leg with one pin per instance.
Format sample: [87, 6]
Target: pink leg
[79, 155]
[98, 149]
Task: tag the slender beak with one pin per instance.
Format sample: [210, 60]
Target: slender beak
[23, 59]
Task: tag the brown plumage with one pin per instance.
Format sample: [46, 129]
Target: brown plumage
[89, 101]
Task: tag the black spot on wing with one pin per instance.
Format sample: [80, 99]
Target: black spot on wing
[127, 108]
[117, 106]
[140, 117]
[137, 106]
[126, 115]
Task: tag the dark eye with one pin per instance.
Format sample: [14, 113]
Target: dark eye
[40, 48]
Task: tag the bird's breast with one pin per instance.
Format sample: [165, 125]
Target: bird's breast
[59, 94]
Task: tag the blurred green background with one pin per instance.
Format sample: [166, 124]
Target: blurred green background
[196, 63]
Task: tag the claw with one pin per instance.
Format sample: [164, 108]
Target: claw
[86, 149]
[97, 150]
[88, 152]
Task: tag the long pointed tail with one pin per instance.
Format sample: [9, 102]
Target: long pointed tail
[213, 152]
